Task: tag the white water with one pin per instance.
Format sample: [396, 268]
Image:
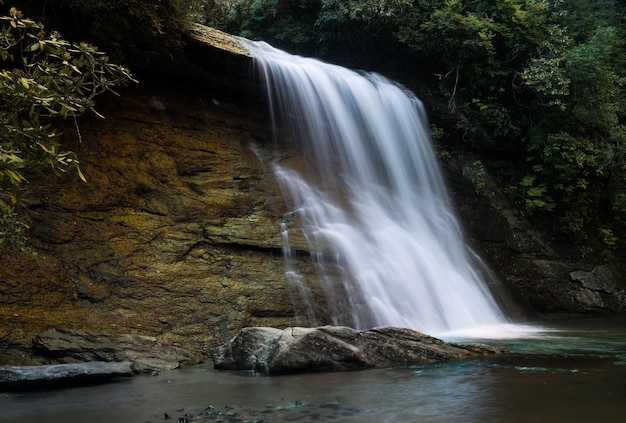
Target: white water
[372, 202]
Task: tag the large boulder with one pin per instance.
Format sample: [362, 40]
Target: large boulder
[335, 348]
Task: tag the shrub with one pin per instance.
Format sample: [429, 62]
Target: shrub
[42, 78]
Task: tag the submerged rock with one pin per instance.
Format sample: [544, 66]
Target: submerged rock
[335, 348]
[14, 378]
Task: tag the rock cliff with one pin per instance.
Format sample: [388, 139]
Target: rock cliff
[547, 275]
[174, 234]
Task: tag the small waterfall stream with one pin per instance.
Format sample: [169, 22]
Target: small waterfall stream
[372, 204]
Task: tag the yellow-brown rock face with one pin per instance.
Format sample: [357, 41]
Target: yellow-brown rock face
[175, 234]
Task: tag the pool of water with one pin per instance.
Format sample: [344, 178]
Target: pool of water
[574, 372]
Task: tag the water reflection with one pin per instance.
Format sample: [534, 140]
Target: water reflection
[574, 375]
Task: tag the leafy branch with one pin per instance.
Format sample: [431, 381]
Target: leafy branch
[42, 77]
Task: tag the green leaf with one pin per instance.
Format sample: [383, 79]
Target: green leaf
[80, 174]
[16, 177]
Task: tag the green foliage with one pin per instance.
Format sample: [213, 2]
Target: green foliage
[373, 15]
[548, 78]
[460, 32]
[12, 229]
[437, 132]
[213, 13]
[477, 176]
[608, 238]
[351, 29]
[42, 77]
[354, 29]
[289, 24]
[536, 195]
[578, 141]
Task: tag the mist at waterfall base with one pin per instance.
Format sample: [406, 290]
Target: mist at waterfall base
[373, 205]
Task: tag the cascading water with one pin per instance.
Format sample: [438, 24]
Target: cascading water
[372, 203]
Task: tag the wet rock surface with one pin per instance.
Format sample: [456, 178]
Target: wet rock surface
[175, 234]
[147, 353]
[335, 348]
[22, 378]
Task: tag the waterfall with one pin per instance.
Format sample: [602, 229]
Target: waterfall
[371, 203]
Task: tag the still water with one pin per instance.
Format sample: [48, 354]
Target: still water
[575, 372]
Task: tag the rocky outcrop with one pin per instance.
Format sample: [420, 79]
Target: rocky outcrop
[598, 290]
[224, 66]
[175, 234]
[332, 348]
[146, 353]
[211, 38]
[21, 378]
[546, 276]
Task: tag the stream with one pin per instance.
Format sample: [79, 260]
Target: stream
[573, 372]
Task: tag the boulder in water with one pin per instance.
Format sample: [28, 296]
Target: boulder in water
[335, 348]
